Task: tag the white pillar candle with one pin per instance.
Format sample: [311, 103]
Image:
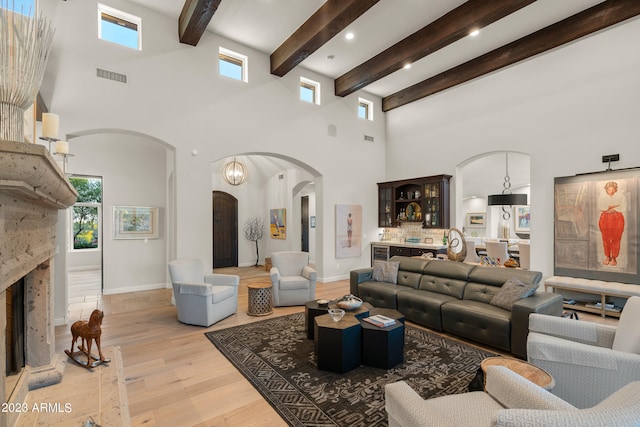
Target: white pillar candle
[62, 147]
[50, 125]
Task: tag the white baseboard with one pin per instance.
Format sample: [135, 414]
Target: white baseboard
[85, 268]
[333, 278]
[126, 289]
[60, 321]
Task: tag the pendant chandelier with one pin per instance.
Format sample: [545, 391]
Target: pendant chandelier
[506, 198]
[234, 172]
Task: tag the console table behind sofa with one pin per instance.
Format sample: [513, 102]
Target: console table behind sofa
[594, 287]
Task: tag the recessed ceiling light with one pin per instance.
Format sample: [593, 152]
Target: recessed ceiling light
[407, 66]
[474, 33]
[349, 35]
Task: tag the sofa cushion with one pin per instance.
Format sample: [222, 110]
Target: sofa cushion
[479, 322]
[422, 307]
[512, 291]
[442, 285]
[378, 294]
[385, 271]
[496, 276]
[293, 283]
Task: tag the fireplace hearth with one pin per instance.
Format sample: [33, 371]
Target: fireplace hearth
[32, 191]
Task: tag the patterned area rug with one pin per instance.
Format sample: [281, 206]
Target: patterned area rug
[279, 361]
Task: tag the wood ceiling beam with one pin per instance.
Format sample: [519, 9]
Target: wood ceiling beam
[451, 27]
[594, 19]
[194, 18]
[332, 17]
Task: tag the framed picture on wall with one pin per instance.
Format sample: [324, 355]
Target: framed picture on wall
[522, 219]
[477, 220]
[135, 222]
[596, 226]
[348, 231]
[278, 223]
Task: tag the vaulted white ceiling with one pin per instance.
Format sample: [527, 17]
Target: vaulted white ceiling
[266, 24]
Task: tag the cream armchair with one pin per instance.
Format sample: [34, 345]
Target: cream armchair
[588, 361]
[293, 280]
[202, 299]
[509, 400]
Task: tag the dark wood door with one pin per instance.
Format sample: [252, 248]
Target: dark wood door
[304, 208]
[225, 230]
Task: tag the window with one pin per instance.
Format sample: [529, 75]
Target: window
[23, 7]
[309, 91]
[233, 65]
[119, 27]
[86, 213]
[365, 109]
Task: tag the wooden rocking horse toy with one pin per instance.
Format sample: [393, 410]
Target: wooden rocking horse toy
[88, 332]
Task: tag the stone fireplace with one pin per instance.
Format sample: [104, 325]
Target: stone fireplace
[32, 191]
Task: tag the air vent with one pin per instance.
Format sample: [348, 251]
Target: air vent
[368, 138]
[111, 75]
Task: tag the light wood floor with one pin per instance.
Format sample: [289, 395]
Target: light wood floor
[174, 375]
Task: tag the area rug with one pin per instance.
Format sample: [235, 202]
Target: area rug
[279, 361]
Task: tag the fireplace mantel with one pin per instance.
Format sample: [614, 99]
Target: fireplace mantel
[32, 190]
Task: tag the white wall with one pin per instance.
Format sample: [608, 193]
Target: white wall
[175, 95]
[133, 171]
[565, 109]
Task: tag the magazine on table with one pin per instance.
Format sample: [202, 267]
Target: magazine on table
[380, 320]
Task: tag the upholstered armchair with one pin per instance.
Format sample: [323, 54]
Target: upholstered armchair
[508, 400]
[202, 299]
[588, 361]
[293, 280]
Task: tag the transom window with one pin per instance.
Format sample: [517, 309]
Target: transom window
[233, 65]
[309, 91]
[365, 109]
[119, 27]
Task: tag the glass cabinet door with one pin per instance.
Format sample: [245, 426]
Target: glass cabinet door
[385, 206]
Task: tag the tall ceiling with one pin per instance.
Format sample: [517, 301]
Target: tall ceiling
[378, 27]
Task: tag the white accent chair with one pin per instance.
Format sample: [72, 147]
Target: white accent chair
[498, 251]
[293, 280]
[472, 256]
[509, 400]
[525, 255]
[202, 299]
[588, 361]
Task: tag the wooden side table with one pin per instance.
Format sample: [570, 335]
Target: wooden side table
[531, 372]
[260, 301]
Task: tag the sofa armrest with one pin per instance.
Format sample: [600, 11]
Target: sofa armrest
[222, 279]
[274, 273]
[406, 408]
[187, 288]
[358, 276]
[573, 330]
[514, 391]
[309, 273]
[540, 302]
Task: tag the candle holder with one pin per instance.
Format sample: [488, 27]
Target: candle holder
[65, 157]
[49, 140]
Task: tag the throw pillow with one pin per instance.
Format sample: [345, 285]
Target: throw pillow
[512, 291]
[386, 271]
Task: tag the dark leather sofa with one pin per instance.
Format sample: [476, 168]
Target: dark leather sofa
[454, 297]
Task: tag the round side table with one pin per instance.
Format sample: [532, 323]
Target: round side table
[260, 302]
[533, 373]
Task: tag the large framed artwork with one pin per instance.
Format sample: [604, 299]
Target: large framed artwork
[135, 222]
[278, 223]
[348, 231]
[596, 226]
